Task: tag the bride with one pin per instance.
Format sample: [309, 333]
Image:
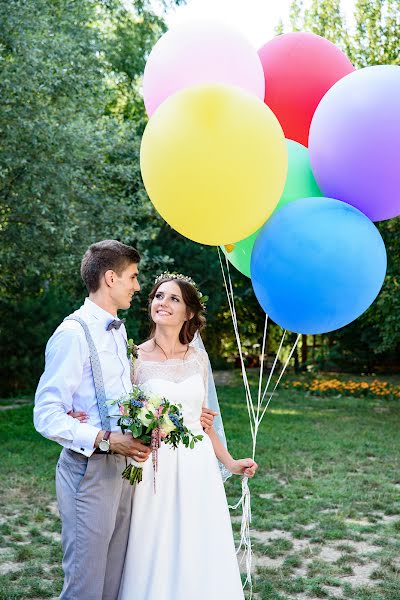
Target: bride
[180, 542]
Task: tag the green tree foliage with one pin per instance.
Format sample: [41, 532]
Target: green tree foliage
[295, 15]
[71, 120]
[326, 19]
[377, 33]
[69, 168]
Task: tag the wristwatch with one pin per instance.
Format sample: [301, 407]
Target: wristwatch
[104, 445]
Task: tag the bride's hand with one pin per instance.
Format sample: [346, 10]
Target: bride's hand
[78, 414]
[207, 418]
[243, 466]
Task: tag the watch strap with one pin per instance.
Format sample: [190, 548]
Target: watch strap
[105, 438]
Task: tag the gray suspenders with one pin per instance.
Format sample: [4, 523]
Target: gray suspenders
[97, 375]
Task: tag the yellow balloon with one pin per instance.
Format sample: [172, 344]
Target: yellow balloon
[214, 163]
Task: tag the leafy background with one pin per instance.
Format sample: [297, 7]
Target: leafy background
[71, 120]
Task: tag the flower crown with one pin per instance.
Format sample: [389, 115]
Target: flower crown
[168, 275]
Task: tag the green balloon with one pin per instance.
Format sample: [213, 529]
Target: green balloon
[300, 183]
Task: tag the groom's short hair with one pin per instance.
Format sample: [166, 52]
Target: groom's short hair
[104, 256]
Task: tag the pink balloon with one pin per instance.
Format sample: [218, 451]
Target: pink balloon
[199, 52]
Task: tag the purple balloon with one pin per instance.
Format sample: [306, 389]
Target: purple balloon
[354, 141]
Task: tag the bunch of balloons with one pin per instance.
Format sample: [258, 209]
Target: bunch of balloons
[283, 158]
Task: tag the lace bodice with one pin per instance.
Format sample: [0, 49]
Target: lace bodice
[182, 381]
[175, 369]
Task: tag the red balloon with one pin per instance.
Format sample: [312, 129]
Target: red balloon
[299, 69]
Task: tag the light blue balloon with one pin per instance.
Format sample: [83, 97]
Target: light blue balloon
[317, 265]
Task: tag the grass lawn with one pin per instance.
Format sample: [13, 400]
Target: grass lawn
[326, 510]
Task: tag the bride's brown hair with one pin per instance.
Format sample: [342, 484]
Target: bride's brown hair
[193, 305]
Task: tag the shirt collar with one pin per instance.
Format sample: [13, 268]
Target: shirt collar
[99, 313]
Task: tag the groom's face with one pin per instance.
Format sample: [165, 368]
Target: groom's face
[125, 285]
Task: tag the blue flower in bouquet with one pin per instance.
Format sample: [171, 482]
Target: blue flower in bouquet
[176, 420]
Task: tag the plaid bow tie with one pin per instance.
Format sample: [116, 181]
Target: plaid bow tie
[116, 324]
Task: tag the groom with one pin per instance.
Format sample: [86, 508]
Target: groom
[87, 364]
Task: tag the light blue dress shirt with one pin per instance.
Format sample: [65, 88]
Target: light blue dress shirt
[67, 382]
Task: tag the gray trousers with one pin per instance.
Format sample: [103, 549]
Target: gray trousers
[95, 505]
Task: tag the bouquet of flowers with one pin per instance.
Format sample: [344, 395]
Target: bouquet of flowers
[151, 419]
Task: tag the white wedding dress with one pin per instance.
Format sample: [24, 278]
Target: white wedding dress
[180, 542]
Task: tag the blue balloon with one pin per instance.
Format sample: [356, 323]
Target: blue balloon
[317, 265]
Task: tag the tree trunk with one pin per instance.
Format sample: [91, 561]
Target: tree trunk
[304, 351]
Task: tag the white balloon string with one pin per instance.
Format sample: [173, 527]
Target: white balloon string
[280, 376]
[245, 499]
[254, 417]
[231, 302]
[250, 403]
[273, 366]
[262, 365]
[257, 421]
[245, 538]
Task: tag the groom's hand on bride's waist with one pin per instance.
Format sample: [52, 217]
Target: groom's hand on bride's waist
[125, 444]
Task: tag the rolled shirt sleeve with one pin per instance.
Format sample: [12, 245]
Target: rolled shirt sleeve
[66, 354]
